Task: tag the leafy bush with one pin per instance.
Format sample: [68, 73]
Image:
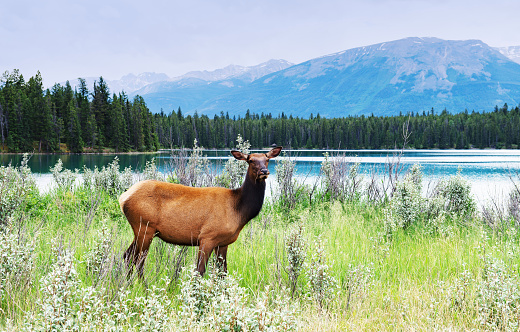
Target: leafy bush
[455, 196]
[109, 178]
[341, 178]
[404, 208]
[16, 262]
[358, 279]
[498, 297]
[96, 257]
[514, 205]
[218, 303]
[55, 307]
[64, 178]
[323, 286]
[287, 188]
[66, 306]
[151, 172]
[191, 170]
[16, 187]
[296, 249]
[235, 170]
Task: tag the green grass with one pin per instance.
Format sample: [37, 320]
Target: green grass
[410, 273]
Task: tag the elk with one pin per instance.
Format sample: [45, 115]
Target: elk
[210, 218]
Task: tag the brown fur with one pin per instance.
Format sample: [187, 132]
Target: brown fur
[210, 218]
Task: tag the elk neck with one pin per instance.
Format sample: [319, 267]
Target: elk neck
[250, 198]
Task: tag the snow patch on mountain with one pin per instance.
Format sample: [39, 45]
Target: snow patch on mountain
[511, 52]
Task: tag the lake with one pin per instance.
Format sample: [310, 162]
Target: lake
[487, 170]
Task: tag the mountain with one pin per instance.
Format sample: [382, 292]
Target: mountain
[194, 88]
[512, 52]
[246, 74]
[128, 83]
[412, 74]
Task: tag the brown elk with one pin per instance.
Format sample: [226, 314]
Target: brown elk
[210, 218]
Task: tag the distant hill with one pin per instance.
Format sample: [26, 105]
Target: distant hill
[412, 74]
[128, 83]
[189, 91]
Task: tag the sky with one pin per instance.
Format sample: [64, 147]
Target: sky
[67, 39]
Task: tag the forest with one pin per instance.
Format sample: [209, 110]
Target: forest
[63, 119]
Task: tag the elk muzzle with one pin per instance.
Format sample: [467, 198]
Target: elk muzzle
[263, 173]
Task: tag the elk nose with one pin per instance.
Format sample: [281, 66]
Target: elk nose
[264, 171]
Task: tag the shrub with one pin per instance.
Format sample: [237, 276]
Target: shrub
[16, 187]
[404, 208]
[191, 170]
[341, 178]
[455, 196]
[357, 281]
[235, 170]
[514, 205]
[64, 178]
[296, 249]
[415, 174]
[323, 286]
[55, 307]
[218, 303]
[498, 297]
[109, 178]
[460, 293]
[96, 257]
[66, 306]
[16, 262]
[287, 188]
[151, 172]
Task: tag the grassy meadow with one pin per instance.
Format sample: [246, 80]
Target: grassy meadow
[351, 253]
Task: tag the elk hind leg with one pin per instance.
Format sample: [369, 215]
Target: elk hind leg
[136, 253]
[129, 257]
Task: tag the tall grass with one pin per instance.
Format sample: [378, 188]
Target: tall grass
[339, 261]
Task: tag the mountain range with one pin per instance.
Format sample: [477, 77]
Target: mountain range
[411, 74]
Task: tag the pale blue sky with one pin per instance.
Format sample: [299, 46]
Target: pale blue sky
[66, 39]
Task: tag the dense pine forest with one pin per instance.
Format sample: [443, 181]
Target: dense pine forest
[63, 119]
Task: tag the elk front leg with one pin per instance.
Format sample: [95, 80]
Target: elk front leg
[221, 253]
[205, 249]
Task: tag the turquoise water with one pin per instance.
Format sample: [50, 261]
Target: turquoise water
[487, 170]
[473, 163]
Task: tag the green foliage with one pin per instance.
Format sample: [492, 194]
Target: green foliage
[64, 178]
[287, 186]
[323, 285]
[218, 303]
[61, 115]
[296, 249]
[16, 262]
[61, 266]
[109, 178]
[405, 206]
[454, 194]
[340, 178]
[17, 186]
[235, 170]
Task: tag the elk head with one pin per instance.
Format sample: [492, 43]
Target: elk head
[258, 162]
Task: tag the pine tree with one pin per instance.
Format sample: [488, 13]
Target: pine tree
[75, 142]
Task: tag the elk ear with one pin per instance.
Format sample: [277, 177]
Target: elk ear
[274, 152]
[239, 155]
